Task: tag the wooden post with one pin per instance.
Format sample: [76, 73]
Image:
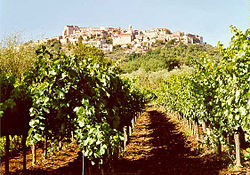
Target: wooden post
[89, 170]
[83, 163]
[228, 139]
[197, 130]
[72, 136]
[237, 148]
[133, 123]
[188, 123]
[102, 172]
[60, 143]
[181, 117]
[45, 146]
[204, 126]
[130, 130]
[125, 137]
[33, 149]
[7, 146]
[190, 126]
[178, 116]
[193, 126]
[218, 147]
[24, 151]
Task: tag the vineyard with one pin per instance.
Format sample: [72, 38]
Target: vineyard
[65, 98]
[79, 101]
[214, 96]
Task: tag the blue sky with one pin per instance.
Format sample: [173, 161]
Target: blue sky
[46, 18]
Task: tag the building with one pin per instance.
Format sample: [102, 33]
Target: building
[105, 37]
[122, 39]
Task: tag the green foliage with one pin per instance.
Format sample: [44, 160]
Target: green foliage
[80, 39]
[15, 102]
[7, 87]
[247, 155]
[15, 57]
[54, 46]
[82, 93]
[215, 92]
[15, 144]
[83, 51]
[109, 40]
[151, 80]
[167, 57]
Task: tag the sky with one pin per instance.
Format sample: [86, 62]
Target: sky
[37, 19]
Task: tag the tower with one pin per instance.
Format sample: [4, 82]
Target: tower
[130, 29]
[68, 30]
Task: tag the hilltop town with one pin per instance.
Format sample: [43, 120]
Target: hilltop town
[106, 38]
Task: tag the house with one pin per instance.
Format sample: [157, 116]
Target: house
[123, 39]
[138, 39]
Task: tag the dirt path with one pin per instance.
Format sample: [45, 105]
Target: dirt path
[157, 146]
[66, 160]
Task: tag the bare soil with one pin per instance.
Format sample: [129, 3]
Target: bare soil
[158, 145]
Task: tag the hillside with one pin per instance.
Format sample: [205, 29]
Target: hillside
[167, 56]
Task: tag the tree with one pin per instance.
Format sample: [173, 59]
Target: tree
[16, 57]
[109, 40]
[80, 39]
